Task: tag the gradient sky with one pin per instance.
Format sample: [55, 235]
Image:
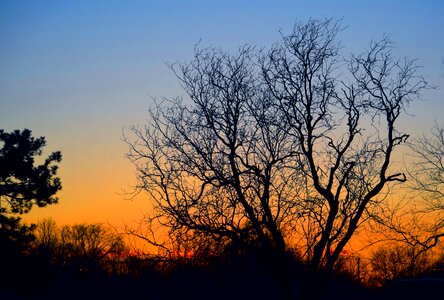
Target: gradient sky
[78, 72]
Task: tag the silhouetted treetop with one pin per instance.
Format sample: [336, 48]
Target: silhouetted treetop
[22, 183]
[293, 140]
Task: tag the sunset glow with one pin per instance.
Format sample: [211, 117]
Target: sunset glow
[80, 72]
[223, 149]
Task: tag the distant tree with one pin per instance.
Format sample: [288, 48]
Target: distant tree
[86, 247]
[420, 222]
[47, 242]
[47, 233]
[428, 173]
[278, 141]
[428, 185]
[393, 261]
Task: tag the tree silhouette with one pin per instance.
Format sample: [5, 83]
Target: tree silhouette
[47, 240]
[428, 174]
[345, 128]
[15, 237]
[419, 223]
[293, 139]
[21, 183]
[393, 261]
[220, 166]
[86, 246]
[428, 179]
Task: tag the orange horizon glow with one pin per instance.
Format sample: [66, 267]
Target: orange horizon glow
[80, 72]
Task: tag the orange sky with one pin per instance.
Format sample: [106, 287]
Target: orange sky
[78, 72]
[94, 182]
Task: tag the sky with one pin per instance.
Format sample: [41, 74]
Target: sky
[81, 72]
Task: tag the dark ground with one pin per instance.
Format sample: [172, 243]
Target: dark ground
[33, 279]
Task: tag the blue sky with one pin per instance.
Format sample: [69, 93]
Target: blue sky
[78, 71]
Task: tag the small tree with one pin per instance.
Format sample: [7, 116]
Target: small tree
[86, 247]
[428, 172]
[47, 241]
[428, 180]
[394, 261]
[420, 222]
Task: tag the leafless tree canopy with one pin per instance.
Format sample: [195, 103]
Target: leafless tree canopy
[420, 223]
[87, 245]
[428, 174]
[294, 139]
[222, 164]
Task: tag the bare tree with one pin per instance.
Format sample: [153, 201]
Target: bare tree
[428, 180]
[396, 261]
[47, 238]
[87, 246]
[283, 140]
[428, 174]
[47, 233]
[346, 129]
[420, 222]
[218, 165]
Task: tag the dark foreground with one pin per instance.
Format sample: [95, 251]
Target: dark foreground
[34, 280]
